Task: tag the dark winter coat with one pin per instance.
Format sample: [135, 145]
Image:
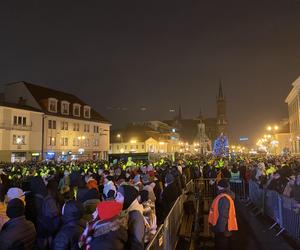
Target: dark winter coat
[17, 234]
[136, 231]
[168, 198]
[68, 236]
[110, 235]
[46, 210]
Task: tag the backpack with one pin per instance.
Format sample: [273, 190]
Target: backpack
[49, 218]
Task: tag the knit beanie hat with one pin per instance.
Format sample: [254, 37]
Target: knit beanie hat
[129, 193]
[108, 209]
[15, 208]
[223, 184]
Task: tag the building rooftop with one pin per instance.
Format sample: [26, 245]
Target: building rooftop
[41, 93]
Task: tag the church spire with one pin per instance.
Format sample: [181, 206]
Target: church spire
[221, 95]
[200, 116]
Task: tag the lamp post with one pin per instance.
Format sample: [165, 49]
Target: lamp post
[271, 137]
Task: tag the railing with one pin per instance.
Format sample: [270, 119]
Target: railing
[167, 235]
[208, 187]
[283, 210]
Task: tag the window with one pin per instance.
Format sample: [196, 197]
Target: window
[75, 142]
[64, 125]
[19, 139]
[76, 109]
[87, 112]
[143, 146]
[118, 147]
[86, 128]
[137, 146]
[64, 141]
[125, 147]
[19, 120]
[96, 129]
[76, 127]
[96, 142]
[86, 142]
[52, 124]
[51, 141]
[65, 107]
[52, 105]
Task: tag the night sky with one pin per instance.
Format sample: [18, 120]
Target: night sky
[136, 60]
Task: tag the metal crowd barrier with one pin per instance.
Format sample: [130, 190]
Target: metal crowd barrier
[257, 195]
[283, 210]
[208, 187]
[166, 236]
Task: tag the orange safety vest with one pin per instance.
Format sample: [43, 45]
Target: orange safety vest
[214, 213]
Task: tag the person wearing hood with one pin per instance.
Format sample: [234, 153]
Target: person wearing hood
[127, 195]
[108, 230]
[73, 226]
[109, 189]
[46, 213]
[17, 233]
[169, 195]
[90, 200]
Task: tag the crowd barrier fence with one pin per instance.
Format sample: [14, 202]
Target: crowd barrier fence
[208, 187]
[166, 236]
[283, 210]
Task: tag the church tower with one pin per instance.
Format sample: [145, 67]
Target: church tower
[222, 123]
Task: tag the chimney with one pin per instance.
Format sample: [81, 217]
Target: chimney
[22, 101]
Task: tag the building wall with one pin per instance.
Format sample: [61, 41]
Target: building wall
[294, 117]
[32, 132]
[81, 144]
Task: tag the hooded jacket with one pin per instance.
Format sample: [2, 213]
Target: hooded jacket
[68, 236]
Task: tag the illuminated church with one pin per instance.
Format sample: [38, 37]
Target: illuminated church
[202, 130]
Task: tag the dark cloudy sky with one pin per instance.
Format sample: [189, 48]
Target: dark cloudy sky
[121, 56]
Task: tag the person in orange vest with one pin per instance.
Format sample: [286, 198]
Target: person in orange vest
[222, 216]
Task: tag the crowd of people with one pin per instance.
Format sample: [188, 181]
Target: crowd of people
[97, 205]
[86, 205]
